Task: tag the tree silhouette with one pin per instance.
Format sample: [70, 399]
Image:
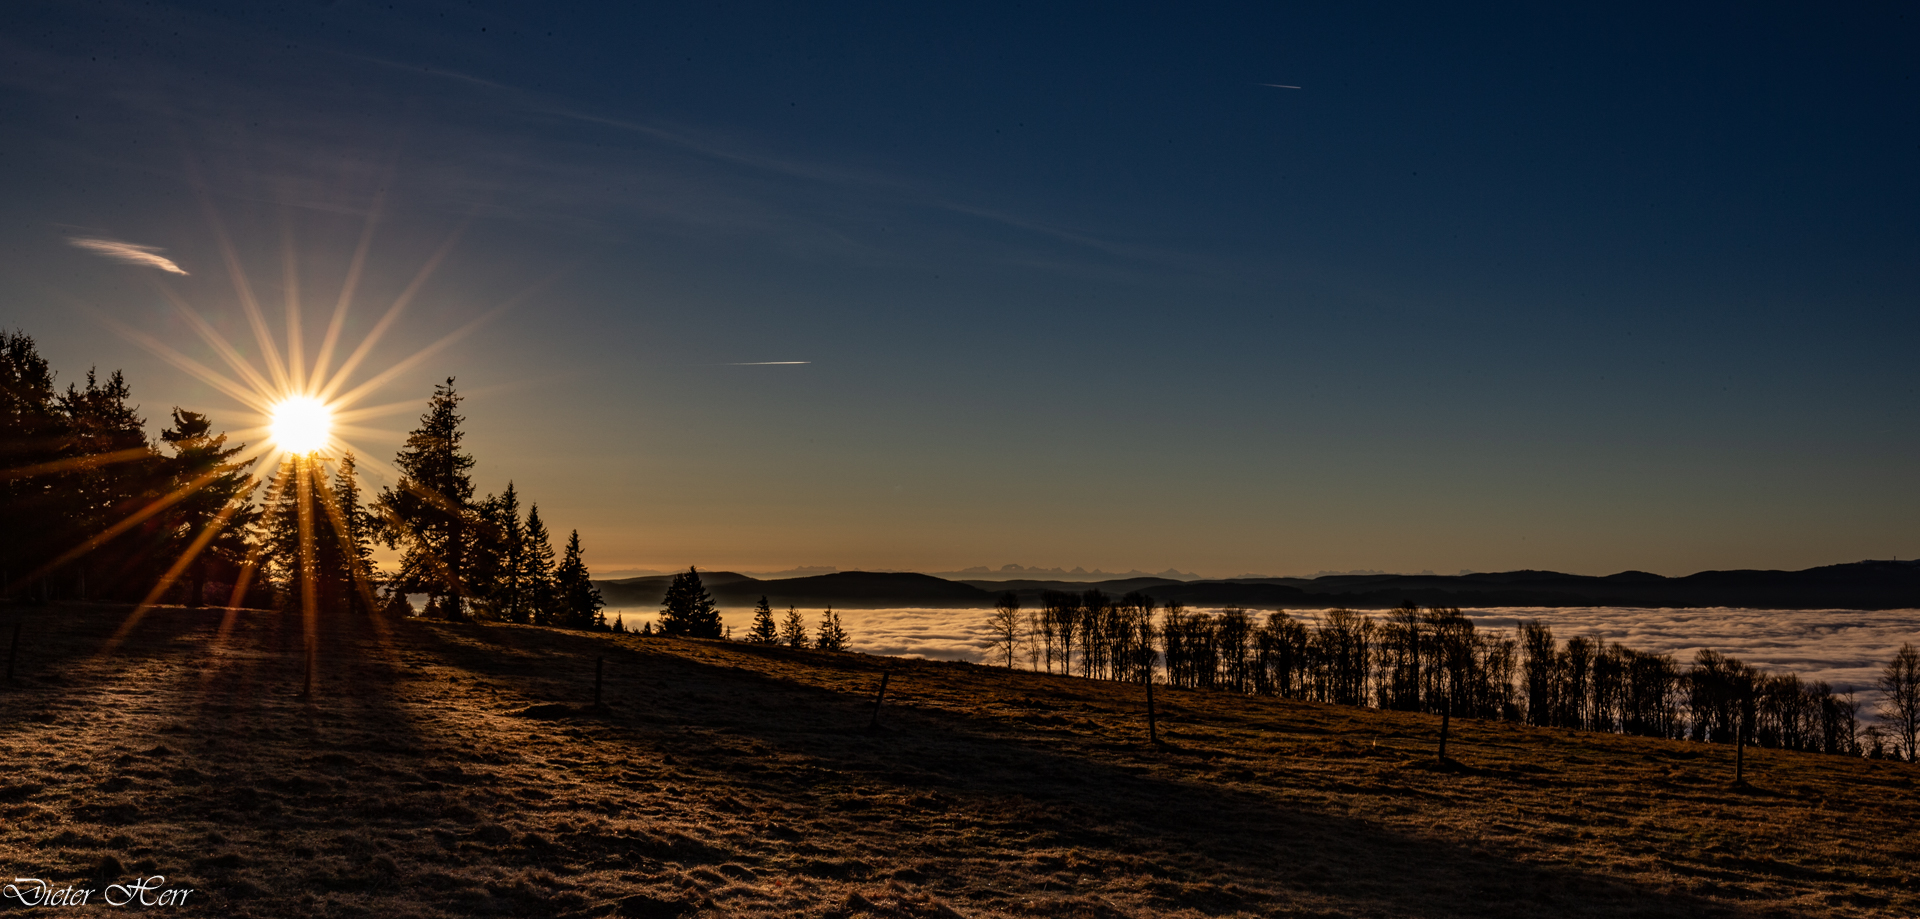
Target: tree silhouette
[1006, 624]
[432, 505]
[212, 520]
[763, 630]
[356, 528]
[1900, 680]
[793, 629]
[302, 548]
[688, 609]
[512, 580]
[830, 637]
[112, 476]
[580, 601]
[542, 595]
[30, 428]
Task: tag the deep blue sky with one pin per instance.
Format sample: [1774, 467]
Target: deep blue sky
[1587, 290]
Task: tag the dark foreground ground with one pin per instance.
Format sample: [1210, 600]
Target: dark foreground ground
[443, 770]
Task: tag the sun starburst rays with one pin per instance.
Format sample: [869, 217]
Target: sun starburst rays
[300, 413]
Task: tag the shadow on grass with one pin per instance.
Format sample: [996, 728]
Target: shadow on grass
[1191, 844]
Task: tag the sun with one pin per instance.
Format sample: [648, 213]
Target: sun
[300, 424]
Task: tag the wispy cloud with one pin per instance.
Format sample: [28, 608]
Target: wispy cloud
[1277, 85]
[765, 363]
[131, 253]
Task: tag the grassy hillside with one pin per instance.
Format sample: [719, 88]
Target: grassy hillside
[445, 770]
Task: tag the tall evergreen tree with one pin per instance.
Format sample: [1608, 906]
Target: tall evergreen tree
[543, 598]
[793, 629]
[356, 527]
[688, 609]
[431, 508]
[579, 599]
[30, 439]
[302, 548]
[508, 594]
[112, 477]
[763, 631]
[212, 519]
[831, 636]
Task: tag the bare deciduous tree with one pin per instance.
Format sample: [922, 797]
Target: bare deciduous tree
[1006, 624]
[1900, 680]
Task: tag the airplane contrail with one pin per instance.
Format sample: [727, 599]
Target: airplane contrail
[764, 363]
[131, 253]
[1277, 85]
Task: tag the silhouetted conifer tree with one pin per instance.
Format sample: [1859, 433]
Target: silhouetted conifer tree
[830, 637]
[763, 631]
[112, 475]
[688, 609]
[579, 599]
[212, 518]
[30, 429]
[356, 528]
[302, 548]
[542, 596]
[793, 629]
[431, 508]
[513, 580]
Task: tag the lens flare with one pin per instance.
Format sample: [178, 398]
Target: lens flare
[301, 424]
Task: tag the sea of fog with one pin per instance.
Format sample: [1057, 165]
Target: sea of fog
[1844, 647]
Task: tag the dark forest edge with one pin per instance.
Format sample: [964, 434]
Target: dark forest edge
[94, 510]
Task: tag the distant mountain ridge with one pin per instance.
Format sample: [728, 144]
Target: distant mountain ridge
[1857, 585]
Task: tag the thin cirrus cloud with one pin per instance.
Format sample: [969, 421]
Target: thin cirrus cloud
[130, 253]
[1277, 85]
[765, 363]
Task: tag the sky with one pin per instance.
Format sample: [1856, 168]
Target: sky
[926, 287]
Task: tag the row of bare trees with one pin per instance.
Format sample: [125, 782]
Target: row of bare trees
[1437, 659]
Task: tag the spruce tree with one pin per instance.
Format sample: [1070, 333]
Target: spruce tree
[212, 519]
[30, 428]
[688, 609]
[793, 630]
[302, 548]
[579, 599]
[432, 505]
[831, 636]
[113, 473]
[357, 528]
[505, 549]
[763, 631]
[543, 600]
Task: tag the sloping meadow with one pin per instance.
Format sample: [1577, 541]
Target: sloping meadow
[456, 770]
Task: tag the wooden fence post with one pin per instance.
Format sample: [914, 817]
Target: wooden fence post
[879, 698]
[1740, 752]
[1153, 731]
